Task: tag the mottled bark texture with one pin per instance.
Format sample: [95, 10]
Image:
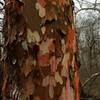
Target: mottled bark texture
[40, 48]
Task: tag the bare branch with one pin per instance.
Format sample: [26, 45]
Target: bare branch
[95, 9]
[95, 4]
[1, 3]
[80, 4]
[90, 78]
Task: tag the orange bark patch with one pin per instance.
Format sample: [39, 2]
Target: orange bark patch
[71, 39]
[43, 60]
[76, 84]
[62, 2]
[42, 2]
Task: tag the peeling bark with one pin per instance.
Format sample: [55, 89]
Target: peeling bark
[41, 50]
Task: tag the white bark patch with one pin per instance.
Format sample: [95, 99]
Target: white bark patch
[32, 36]
[43, 29]
[65, 59]
[51, 92]
[45, 81]
[58, 78]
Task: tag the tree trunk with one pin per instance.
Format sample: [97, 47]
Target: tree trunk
[41, 51]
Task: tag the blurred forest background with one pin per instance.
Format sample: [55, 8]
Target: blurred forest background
[88, 36]
[87, 21]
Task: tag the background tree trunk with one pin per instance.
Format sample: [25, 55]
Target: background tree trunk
[41, 51]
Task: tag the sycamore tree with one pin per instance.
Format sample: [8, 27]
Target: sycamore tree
[39, 58]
